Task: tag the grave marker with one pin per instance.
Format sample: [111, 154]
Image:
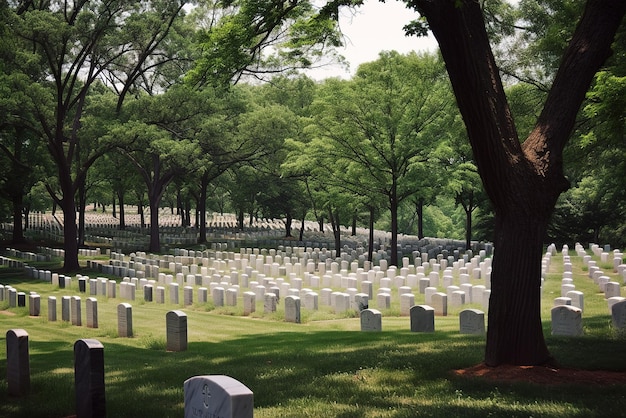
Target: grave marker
[125, 320]
[292, 309]
[18, 363]
[217, 396]
[52, 308]
[422, 318]
[92, 312]
[371, 320]
[89, 378]
[472, 321]
[176, 331]
[567, 321]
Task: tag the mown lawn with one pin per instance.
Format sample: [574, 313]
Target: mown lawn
[324, 367]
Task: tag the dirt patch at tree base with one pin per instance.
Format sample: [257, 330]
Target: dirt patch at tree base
[542, 375]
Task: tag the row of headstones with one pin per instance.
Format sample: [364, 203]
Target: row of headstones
[568, 308]
[205, 396]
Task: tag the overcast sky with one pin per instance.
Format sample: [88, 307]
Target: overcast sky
[375, 27]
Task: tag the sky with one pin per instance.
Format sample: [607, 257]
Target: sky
[373, 28]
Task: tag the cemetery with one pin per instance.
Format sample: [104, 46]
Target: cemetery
[262, 329]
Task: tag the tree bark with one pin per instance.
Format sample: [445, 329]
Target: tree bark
[522, 181]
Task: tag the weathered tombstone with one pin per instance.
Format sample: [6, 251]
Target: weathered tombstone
[160, 294]
[21, 299]
[91, 305]
[422, 318]
[439, 301]
[472, 321]
[269, 302]
[52, 308]
[75, 311]
[65, 308]
[174, 293]
[383, 300]
[34, 305]
[188, 295]
[147, 293]
[219, 294]
[567, 321]
[18, 362]
[578, 299]
[125, 320]
[231, 297]
[89, 378]
[217, 396]
[618, 315]
[292, 309]
[176, 331]
[249, 303]
[371, 320]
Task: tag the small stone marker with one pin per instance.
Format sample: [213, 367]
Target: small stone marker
[618, 315]
[371, 320]
[472, 321]
[18, 363]
[217, 396]
[89, 378]
[147, 293]
[176, 331]
[34, 305]
[125, 320]
[422, 318]
[292, 309]
[75, 311]
[52, 308]
[439, 301]
[91, 305]
[65, 308]
[567, 321]
[249, 303]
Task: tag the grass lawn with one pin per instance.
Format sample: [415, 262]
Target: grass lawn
[324, 367]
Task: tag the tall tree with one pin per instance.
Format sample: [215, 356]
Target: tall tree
[385, 123]
[522, 179]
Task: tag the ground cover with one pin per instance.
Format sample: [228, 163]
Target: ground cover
[325, 367]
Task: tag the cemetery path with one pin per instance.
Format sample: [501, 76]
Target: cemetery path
[542, 375]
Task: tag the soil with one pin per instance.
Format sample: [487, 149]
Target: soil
[542, 375]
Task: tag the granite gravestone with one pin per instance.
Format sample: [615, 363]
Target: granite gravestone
[217, 396]
[125, 320]
[89, 378]
[176, 331]
[18, 363]
[371, 320]
[422, 318]
[472, 321]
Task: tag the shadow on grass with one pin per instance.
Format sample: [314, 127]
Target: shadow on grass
[323, 373]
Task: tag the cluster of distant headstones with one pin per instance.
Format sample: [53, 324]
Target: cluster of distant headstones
[566, 320]
[568, 308]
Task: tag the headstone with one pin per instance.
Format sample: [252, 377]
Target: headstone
[176, 330]
[34, 305]
[21, 299]
[89, 378]
[577, 299]
[406, 301]
[292, 309]
[92, 312]
[618, 315]
[472, 321]
[422, 318]
[125, 320]
[160, 294]
[18, 363]
[439, 302]
[217, 397]
[188, 295]
[249, 302]
[383, 300]
[567, 321]
[174, 293]
[371, 320]
[75, 311]
[147, 293]
[269, 302]
[218, 293]
[65, 308]
[52, 308]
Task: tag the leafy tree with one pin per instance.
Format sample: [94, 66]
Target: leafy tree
[380, 128]
[522, 179]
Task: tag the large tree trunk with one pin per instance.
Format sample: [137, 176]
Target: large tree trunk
[122, 212]
[393, 206]
[419, 210]
[522, 181]
[370, 247]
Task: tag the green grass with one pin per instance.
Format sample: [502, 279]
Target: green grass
[324, 367]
